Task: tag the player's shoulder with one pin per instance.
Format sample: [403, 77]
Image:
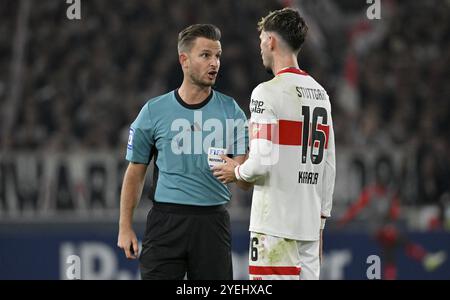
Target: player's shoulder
[313, 81]
[263, 86]
[309, 83]
[263, 90]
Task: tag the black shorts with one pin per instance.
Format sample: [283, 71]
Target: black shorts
[187, 240]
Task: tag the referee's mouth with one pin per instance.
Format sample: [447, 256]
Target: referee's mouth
[212, 74]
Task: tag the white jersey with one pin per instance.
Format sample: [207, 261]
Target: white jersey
[292, 156]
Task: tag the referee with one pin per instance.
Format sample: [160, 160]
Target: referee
[188, 228]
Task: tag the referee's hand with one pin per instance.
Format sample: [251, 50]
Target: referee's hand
[225, 172]
[128, 242]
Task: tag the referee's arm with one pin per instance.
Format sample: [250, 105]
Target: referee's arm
[132, 186]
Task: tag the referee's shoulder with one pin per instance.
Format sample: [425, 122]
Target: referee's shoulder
[225, 99]
[158, 100]
[223, 96]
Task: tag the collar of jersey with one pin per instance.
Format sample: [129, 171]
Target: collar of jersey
[292, 70]
[193, 106]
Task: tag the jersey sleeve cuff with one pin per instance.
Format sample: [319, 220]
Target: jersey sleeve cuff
[237, 174]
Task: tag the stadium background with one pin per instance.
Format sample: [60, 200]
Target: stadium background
[70, 88]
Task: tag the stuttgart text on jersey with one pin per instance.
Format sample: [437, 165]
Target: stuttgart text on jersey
[315, 94]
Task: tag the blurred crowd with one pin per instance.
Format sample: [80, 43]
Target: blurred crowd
[405, 94]
[84, 81]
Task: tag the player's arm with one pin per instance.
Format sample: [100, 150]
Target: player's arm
[247, 172]
[329, 175]
[258, 161]
[225, 172]
[240, 159]
[262, 124]
[254, 167]
[322, 227]
[132, 186]
[321, 247]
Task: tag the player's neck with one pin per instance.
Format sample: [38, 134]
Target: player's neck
[193, 94]
[283, 62]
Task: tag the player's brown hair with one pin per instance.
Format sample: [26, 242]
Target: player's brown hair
[288, 23]
[188, 35]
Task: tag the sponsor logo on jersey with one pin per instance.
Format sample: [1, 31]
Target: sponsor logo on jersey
[257, 107]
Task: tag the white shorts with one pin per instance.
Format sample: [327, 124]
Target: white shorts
[272, 257]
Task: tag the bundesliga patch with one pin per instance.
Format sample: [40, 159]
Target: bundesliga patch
[214, 156]
[130, 139]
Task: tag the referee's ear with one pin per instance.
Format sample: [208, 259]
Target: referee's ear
[183, 58]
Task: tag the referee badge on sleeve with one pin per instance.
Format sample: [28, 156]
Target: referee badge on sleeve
[130, 139]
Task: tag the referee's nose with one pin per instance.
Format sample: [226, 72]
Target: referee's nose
[215, 63]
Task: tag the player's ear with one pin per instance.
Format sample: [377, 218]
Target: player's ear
[272, 42]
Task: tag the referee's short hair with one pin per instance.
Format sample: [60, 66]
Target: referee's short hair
[188, 35]
[288, 23]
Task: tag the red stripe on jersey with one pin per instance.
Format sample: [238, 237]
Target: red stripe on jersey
[261, 131]
[290, 133]
[287, 132]
[266, 270]
[293, 70]
[326, 130]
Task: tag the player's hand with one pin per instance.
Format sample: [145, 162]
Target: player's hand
[225, 172]
[128, 242]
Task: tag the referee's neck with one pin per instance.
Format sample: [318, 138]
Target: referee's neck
[192, 94]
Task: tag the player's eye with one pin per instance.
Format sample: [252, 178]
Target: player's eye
[204, 55]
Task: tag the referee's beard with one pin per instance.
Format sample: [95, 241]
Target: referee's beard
[202, 83]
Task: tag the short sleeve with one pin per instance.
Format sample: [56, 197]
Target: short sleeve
[141, 139]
